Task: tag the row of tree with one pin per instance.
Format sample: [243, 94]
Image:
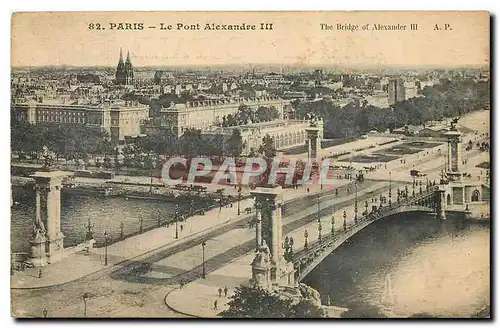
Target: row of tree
[246, 115]
[75, 142]
[190, 144]
[446, 99]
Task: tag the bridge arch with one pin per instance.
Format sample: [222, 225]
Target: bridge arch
[307, 259]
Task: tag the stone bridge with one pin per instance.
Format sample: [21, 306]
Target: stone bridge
[306, 259]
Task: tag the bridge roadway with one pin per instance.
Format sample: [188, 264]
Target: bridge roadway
[182, 262]
[307, 258]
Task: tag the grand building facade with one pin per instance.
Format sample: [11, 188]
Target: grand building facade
[205, 114]
[285, 134]
[124, 71]
[120, 118]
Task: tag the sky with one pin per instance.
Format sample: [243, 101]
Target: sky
[45, 39]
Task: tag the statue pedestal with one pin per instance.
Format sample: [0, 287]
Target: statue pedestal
[38, 251]
[261, 276]
[55, 249]
[283, 274]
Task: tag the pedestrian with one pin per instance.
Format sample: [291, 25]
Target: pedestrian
[220, 292]
[307, 189]
[39, 272]
[215, 305]
[45, 313]
[182, 227]
[225, 291]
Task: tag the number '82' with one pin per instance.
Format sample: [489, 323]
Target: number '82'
[95, 26]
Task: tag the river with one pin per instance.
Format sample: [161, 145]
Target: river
[411, 264]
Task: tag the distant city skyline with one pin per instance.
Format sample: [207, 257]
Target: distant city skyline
[64, 39]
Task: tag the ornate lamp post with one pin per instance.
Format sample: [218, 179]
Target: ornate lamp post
[333, 224]
[141, 220]
[203, 273]
[317, 197]
[85, 297]
[413, 188]
[176, 214]
[239, 198]
[105, 248]
[420, 186]
[406, 192]
[320, 227]
[390, 188]
[355, 202]
[345, 223]
[306, 234]
[321, 179]
[366, 207]
[122, 233]
[90, 234]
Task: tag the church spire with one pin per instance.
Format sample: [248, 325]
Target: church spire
[128, 56]
[121, 56]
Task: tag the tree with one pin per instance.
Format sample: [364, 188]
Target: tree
[191, 142]
[256, 302]
[305, 309]
[243, 115]
[265, 114]
[235, 144]
[216, 145]
[267, 148]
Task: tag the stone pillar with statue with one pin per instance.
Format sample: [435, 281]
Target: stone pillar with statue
[47, 242]
[454, 162]
[269, 254]
[453, 170]
[314, 137]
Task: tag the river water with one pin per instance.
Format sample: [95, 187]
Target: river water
[105, 214]
[410, 264]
